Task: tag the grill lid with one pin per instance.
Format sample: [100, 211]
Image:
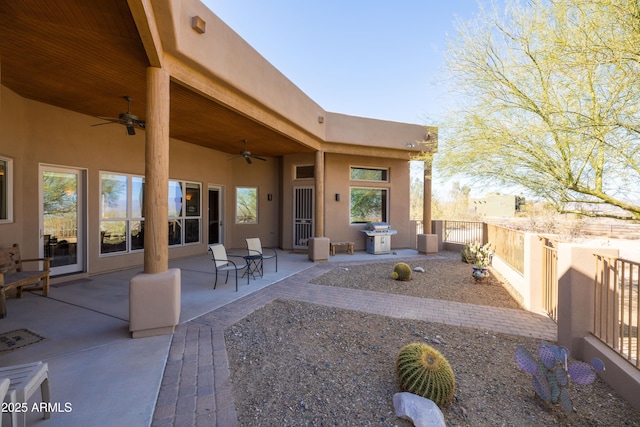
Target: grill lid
[378, 228]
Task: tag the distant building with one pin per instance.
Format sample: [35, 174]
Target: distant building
[497, 205]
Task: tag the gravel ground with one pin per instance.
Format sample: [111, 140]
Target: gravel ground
[299, 364]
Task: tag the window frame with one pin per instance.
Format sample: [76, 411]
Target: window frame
[132, 218]
[385, 173]
[295, 172]
[236, 214]
[8, 194]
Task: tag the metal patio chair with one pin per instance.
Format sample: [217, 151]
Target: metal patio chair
[255, 248]
[222, 262]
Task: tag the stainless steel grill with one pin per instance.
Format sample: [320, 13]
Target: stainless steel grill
[378, 237]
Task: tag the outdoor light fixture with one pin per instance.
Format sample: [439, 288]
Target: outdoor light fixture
[320, 119]
[337, 197]
[410, 145]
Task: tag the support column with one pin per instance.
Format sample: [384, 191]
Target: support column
[426, 202]
[156, 221]
[427, 242]
[154, 296]
[319, 245]
[319, 194]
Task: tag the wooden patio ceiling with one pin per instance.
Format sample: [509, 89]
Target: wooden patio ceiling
[85, 56]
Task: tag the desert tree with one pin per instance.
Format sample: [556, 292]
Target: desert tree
[548, 98]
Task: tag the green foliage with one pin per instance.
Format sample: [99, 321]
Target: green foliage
[401, 271]
[60, 194]
[424, 371]
[550, 96]
[477, 254]
[367, 204]
[246, 205]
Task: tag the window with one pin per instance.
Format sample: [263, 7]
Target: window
[305, 172]
[114, 190]
[246, 205]
[192, 214]
[6, 190]
[184, 212]
[369, 174]
[368, 205]
[122, 213]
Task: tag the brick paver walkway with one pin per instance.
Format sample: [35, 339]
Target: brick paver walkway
[194, 394]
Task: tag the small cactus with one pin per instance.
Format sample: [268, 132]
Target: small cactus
[424, 371]
[551, 374]
[401, 271]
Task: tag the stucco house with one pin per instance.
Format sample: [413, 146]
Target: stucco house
[104, 102]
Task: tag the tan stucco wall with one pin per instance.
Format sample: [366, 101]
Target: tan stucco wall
[221, 65]
[34, 133]
[237, 75]
[229, 59]
[337, 170]
[346, 129]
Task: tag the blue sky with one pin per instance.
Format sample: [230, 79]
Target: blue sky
[378, 59]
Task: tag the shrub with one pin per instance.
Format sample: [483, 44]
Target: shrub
[477, 254]
[424, 371]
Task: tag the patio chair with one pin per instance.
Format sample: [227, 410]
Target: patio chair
[255, 248]
[25, 380]
[222, 262]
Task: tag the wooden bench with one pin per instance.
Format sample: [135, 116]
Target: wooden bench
[347, 245]
[12, 276]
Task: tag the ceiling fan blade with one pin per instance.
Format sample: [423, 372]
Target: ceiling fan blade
[105, 123]
[259, 158]
[248, 158]
[127, 119]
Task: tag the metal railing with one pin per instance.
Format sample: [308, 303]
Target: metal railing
[550, 279]
[463, 232]
[508, 244]
[616, 313]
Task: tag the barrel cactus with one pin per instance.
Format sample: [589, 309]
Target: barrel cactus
[401, 271]
[424, 371]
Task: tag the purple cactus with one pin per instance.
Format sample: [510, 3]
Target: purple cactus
[526, 361]
[547, 356]
[565, 401]
[551, 375]
[597, 364]
[541, 386]
[581, 373]
[561, 376]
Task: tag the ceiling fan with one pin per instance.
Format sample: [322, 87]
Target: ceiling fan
[131, 121]
[247, 154]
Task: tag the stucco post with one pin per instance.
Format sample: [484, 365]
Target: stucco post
[576, 269]
[156, 221]
[427, 242]
[319, 194]
[154, 296]
[319, 245]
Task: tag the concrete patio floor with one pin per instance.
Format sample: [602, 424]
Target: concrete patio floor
[98, 374]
